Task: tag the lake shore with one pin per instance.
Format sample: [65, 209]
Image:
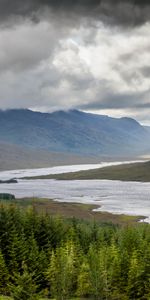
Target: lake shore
[128, 171]
[87, 212]
[112, 199]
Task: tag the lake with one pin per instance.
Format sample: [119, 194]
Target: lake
[132, 198]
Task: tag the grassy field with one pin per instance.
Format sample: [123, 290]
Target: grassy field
[72, 210]
[128, 172]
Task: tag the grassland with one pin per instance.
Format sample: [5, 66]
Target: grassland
[72, 210]
[127, 172]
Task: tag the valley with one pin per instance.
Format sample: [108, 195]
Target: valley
[74, 150]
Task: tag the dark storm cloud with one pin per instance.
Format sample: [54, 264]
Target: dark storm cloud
[124, 12]
[118, 101]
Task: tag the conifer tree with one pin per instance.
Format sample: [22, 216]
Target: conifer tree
[114, 272]
[24, 287]
[83, 281]
[95, 275]
[37, 262]
[17, 251]
[61, 271]
[4, 277]
[135, 282]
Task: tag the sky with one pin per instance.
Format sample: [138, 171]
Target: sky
[92, 55]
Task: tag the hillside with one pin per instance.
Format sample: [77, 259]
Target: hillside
[18, 157]
[147, 128]
[74, 132]
[128, 172]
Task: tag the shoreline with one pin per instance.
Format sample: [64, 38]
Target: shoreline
[81, 211]
[63, 169]
[134, 171]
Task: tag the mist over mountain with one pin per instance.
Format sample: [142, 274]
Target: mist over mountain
[74, 132]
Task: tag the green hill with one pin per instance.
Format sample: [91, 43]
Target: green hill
[128, 172]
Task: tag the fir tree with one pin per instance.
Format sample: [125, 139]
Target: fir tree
[4, 277]
[61, 271]
[24, 287]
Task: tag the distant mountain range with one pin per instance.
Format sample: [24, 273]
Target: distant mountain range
[73, 132]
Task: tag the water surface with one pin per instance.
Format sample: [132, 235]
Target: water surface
[132, 198]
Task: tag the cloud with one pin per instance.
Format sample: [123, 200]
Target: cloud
[91, 55]
[123, 12]
[26, 45]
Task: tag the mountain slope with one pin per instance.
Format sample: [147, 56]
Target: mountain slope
[128, 172]
[17, 157]
[73, 132]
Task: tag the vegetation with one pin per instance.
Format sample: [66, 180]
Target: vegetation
[70, 210]
[7, 196]
[50, 257]
[128, 172]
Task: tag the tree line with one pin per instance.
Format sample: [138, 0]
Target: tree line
[56, 258]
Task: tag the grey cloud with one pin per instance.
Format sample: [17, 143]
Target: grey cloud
[28, 45]
[131, 77]
[44, 89]
[131, 66]
[145, 71]
[110, 100]
[29, 50]
[143, 105]
[125, 58]
[124, 12]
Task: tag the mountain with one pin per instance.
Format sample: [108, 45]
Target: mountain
[74, 132]
[147, 128]
[13, 157]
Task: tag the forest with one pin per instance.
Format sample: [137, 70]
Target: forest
[48, 257]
